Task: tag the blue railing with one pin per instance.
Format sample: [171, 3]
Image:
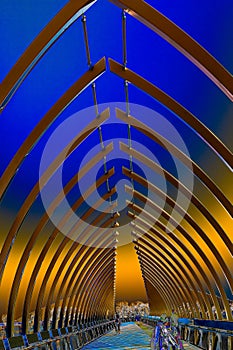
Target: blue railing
[205, 334]
[67, 338]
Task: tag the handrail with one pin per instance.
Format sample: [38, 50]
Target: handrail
[104, 327]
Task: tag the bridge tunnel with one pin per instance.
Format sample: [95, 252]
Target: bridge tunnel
[116, 161]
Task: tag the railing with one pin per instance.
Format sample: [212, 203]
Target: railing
[205, 334]
[68, 338]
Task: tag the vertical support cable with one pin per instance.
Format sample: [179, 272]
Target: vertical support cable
[126, 88]
[124, 38]
[84, 21]
[126, 85]
[100, 135]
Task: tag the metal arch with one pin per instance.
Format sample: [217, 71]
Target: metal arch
[168, 268]
[90, 303]
[154, 255]
[104, 274]
[184, 312]
[49, 270]
[85, 253]
[163, 142]
[39, 185]
[165, 275]
[33, 277]
[39, 46]
[161, 280]
[103, 295]
[161, 292]
[169, 299]
[210, 267]
[173, 238]
[152, 166]
[178, 38]
[153, 281]
[98, 285]
[173, 299]
[43, 221]
[75, 292]
[155, 167]
[160, 193]
[91, 273]
[172, 179]
[80, 252]
[147, 282]
[101, 304]
[75, 285]
[66, 258]
[105, 258]
[16, 225]
[196, 228]
[107, 294]
[183, 232]
[149, 272]
[20, 218]
[155, 236]
[70, 305]
[107, 301]
[75, 281]
[107, 281]
[90, 257]
[197, 126]
[186, 278]
[82, 83]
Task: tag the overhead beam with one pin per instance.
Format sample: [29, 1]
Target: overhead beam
[179, 39]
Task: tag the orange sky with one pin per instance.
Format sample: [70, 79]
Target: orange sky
[129, 282]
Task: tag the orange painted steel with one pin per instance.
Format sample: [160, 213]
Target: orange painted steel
[40, 260]
[204, 258]
[181, 268]
[105, 276]
[196, 228]
[40, 184]
[51, 265]
[105, 256]
[162, 252]
[173, 239]
[165, 274]
[178, 270]
[75, 292]
[224, 267]
[89, 255]
[26, 253]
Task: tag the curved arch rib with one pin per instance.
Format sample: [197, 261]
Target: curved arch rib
[208, 263]
[40, 45]
[43, 180]
[83, 82]
[189, 163]
[181, 41]
[42, 223]
[198, 127]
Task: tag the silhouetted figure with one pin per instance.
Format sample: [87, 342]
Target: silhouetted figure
[118, 323]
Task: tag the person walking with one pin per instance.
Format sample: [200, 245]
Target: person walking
[118, 323]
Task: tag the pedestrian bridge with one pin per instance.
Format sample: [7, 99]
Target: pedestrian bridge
[115, 170]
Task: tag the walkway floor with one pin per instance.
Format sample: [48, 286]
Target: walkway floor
[131, 337]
